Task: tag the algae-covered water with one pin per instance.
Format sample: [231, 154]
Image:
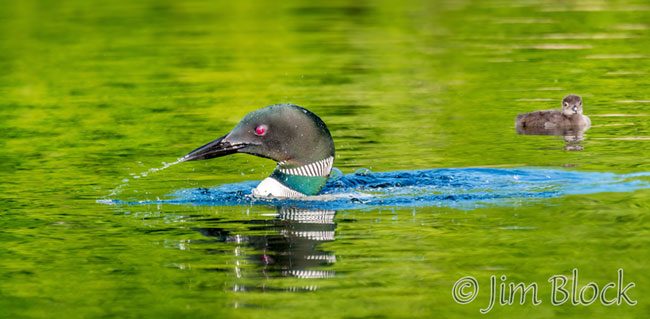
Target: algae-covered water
[96, 96]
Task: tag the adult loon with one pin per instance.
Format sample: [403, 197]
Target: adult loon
[297, 139]
[569, 117]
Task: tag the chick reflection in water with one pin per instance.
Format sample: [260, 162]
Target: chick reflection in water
[570, 122]
[572, 137]
[293, 251]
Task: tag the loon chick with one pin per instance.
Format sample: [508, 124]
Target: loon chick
[292, 136]
[570, 117]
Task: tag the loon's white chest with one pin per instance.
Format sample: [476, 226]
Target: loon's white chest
[270, 187]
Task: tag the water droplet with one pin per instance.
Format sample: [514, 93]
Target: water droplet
[335, 174]
[363, 171]
[117, 190]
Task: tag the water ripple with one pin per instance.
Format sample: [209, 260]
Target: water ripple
[464, 188]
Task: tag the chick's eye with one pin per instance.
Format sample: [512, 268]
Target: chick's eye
[260, 130]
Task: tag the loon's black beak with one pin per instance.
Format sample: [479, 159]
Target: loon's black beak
[216, 148]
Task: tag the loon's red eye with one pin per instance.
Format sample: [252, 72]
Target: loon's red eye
[260, 130]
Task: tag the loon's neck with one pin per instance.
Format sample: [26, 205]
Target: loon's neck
[296, 181]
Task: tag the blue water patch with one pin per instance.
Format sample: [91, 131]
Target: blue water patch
[464, 188]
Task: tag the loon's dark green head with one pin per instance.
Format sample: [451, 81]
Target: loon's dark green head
[289, 134]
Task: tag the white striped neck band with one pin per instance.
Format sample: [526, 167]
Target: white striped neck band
[319, 168]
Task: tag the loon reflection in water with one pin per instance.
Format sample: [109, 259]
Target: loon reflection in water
[573, 136]
[293, 251]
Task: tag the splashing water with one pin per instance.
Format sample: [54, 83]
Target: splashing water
[119, 188]
[464, 188]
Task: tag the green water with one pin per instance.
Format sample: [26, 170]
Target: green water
[92, 94]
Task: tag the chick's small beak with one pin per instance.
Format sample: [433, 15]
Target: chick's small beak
[217, 148]
[575, 109]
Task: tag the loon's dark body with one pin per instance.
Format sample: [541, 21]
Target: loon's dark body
[569, 117]
[551, 119]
